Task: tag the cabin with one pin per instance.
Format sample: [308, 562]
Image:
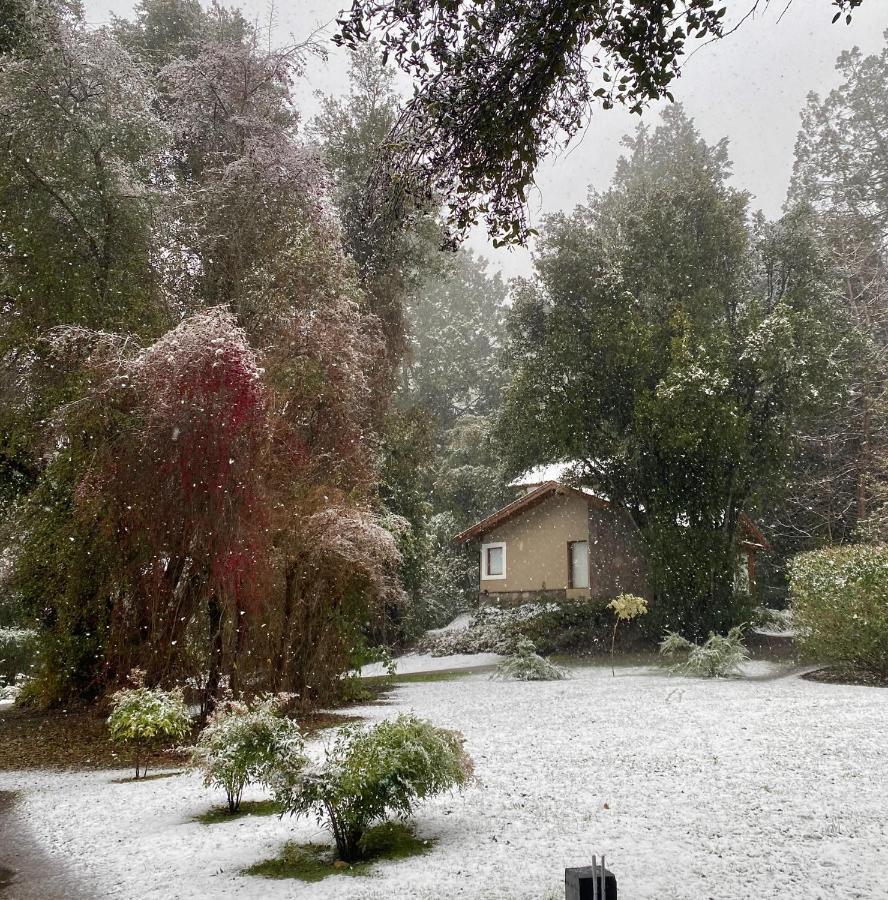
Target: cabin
[567, 542]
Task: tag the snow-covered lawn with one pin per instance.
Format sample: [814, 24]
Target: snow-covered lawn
[694, 789]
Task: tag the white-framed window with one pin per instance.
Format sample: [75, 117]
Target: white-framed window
[493, 561]
[578, 562]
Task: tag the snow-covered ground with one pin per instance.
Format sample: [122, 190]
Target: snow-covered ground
[694, 789]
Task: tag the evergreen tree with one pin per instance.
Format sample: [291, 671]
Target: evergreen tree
[672, 346]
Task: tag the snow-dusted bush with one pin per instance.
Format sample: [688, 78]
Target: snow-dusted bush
[242, 742]
[370, 773]
[146, 718]
[491, 630]
[11, 691]
[718, 656]
[552, 625]
[525, 664]
[840, 604]
[765, 618]
[18, 651]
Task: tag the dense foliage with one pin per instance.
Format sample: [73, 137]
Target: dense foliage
[145, 719]
[212, 365]
[241, 744]
[369, 773]
[673, 348]
[840, 605]
[571, 626]
[18, 653]
[500, 85]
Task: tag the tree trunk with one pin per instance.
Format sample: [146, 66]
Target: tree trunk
[214, 614]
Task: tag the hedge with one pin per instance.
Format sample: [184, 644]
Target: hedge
[839, 599]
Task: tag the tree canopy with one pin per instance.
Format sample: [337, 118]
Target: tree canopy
[672, 348]
[499, 84]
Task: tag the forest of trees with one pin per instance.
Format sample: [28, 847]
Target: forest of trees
[248, 399]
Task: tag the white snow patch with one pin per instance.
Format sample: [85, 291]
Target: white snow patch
[693, 788]
[460, 623]
[542, 474]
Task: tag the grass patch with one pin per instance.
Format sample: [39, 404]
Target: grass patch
[247, 808]
[78, 739]
[154, 776]
[314, 862]
[313, 722]
[452, 675]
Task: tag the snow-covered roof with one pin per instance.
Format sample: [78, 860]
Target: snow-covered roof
[542, 474]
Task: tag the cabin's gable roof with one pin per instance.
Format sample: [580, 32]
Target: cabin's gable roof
[522, 504]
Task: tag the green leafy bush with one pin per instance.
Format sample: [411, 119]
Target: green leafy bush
[569, 626]
[553, 626]
[718, 656]
[146, 718]
[242, 742]
[527, 665]
[839, 599]
[369, 773]
[18, 654]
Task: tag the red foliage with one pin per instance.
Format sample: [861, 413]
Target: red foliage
[179, 479]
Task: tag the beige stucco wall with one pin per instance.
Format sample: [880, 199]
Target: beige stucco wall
[536, 546]
[537, 557]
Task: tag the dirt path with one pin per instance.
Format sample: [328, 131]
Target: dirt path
[27, 872]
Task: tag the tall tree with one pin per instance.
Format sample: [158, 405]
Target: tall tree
[390, 231]
[673, 349]
[841, 169]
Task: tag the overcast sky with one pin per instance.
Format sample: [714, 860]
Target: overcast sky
[749, 87]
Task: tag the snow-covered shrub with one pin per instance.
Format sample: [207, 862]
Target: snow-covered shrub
[718, 656]
[18, 652]
[765, 618]
[242, 742]
[839, 601]
[369, 773]
[146, 718]
[13, 690]
[568, 626]
[525, 664]
[551, 626]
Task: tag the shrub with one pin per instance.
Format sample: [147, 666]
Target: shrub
[552, 626]
[839, 602]
[146, 718]
[625, 608]
[369, 773]
[719, 656]
[767, 619]
[18, 654]
[526, 665]
[242, 742]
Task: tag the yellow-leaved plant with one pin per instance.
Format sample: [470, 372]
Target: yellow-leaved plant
[625, 607]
